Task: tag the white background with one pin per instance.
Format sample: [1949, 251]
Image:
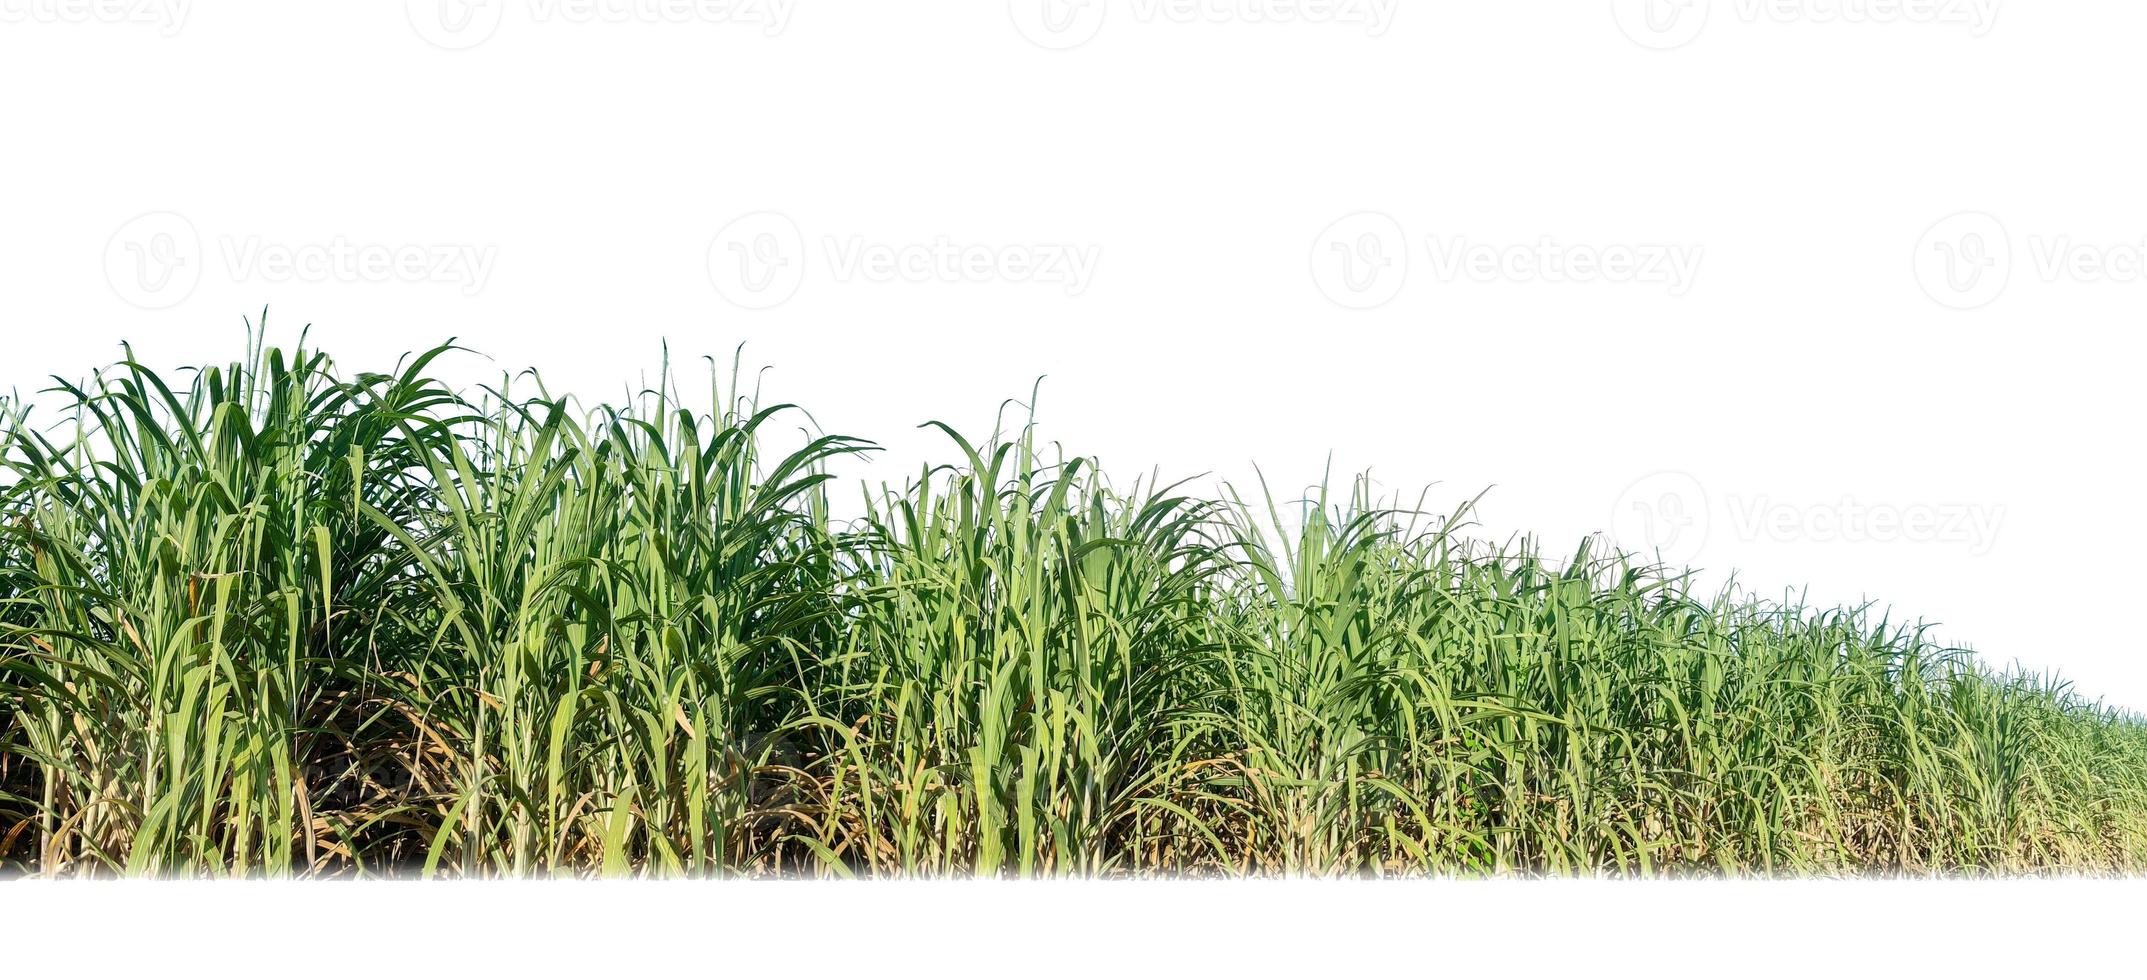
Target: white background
[1871, 196]
[1083, 930]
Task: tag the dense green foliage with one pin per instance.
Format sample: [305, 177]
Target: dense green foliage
[278, 620]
